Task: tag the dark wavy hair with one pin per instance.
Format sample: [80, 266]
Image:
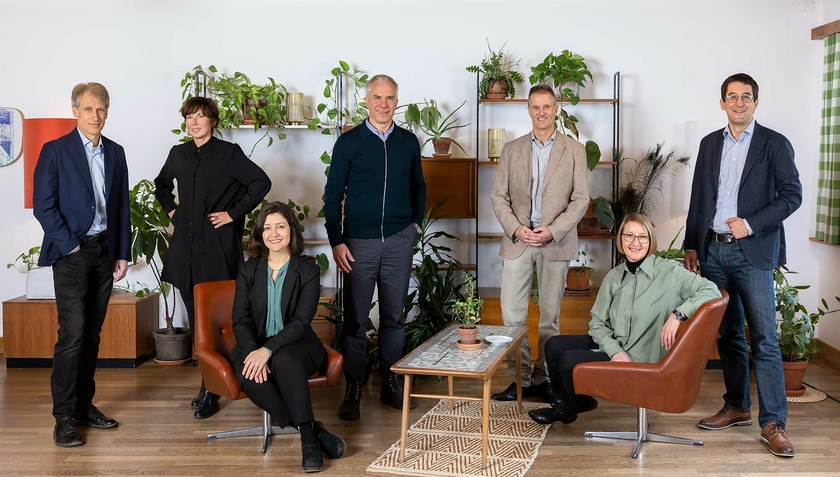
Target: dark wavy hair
[256, 246]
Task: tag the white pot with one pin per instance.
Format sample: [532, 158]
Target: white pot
[39, 284]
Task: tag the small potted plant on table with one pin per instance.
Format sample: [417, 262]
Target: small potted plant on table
[468, 312]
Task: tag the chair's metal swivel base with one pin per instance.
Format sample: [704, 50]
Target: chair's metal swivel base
[266, 430]
[642, 435]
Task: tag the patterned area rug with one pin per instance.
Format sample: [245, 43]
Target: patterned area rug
[448, 443]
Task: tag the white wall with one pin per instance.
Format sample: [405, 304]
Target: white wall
[673, 55]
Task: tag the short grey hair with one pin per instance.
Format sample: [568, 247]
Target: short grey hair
[95, 88]
[380, 78]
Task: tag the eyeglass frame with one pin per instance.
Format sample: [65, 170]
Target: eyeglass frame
[634, 238]
[734, 97]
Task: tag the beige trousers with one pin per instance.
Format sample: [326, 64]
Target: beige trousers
[515, 295]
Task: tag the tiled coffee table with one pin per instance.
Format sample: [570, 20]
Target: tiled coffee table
[440, 356]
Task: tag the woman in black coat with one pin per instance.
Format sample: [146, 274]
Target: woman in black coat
[217, 187]
[277, 294]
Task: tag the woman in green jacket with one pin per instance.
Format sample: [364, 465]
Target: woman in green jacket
[635, 317]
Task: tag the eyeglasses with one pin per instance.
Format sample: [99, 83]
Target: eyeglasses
[629, 238]
[745, 98]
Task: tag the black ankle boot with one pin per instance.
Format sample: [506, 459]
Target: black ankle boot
[559, 411]
[207, 406]
[197, 398]
[391, 394]
[349, 410]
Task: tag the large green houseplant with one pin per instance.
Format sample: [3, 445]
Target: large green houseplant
[240, 101]
[429, 118]
[498, 79]
[567, 71]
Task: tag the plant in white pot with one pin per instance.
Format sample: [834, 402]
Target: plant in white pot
[468, 312]
[39, 280]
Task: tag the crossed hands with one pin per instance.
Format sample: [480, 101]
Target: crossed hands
[255, 367]
[533, 238]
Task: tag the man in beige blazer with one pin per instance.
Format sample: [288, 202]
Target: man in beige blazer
[539, 195]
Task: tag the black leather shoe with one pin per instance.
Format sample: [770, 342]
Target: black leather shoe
[391, 394]
[558, 411]
[312, 459]
[589, 404]
[331, 445]
[208, 405]
[197, 398]
[65, 433]
[509, 394]
[349, 410]
[94, 418]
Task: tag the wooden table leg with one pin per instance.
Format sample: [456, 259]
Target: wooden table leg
[517, 353]
[405, 409]
[451, 392]
[485, 421]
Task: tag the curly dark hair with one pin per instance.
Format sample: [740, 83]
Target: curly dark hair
[256, 246]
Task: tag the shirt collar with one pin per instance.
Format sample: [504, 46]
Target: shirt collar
[377, 131]
[547, 143]
[647, 266]
[749, 131]
[87, 142]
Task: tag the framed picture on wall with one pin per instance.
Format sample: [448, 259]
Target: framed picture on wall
[11, 135]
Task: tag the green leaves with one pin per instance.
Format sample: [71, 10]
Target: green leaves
[797, 328]
[593, 155]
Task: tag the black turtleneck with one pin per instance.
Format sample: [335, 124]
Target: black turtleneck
[632, 266]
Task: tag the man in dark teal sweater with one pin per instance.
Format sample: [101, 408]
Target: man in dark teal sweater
[377, 172]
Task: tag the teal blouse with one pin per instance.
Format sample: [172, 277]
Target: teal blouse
[274, 315]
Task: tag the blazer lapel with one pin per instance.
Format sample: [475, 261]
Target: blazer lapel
[77, 152]
[554, 160]
[756, 145]
[288, 286]
[259, 296]
[110, 156]
[716, 151]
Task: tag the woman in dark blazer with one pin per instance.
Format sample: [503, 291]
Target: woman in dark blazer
[277, 294]
[217, 187]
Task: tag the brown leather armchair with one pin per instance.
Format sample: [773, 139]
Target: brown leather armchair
[214, 343]
[671, 385]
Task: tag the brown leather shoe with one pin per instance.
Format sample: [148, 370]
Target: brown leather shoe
[775, 437]
[726, 418]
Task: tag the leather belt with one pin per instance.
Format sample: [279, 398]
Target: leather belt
[722, 238]
[96, 238]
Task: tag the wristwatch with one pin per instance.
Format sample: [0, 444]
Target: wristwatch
[679, 315]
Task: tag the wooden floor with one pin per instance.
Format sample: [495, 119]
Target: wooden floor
[158, 435]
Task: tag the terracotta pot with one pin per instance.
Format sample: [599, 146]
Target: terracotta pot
[347, 127]
[578, 280]
[794, 373]
[497, 89]
[442, 147]
[468, 335]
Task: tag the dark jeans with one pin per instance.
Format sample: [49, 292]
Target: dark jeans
[83, 282]
[386, 265]
[285, 395]
[562, 354]
[750, 289]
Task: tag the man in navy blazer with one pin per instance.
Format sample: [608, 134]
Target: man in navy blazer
[745, 184]
[81, 200]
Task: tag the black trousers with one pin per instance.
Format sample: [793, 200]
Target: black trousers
[387, 266]
[189, 305]
[285, 395]
[83, 282]
[562, 354]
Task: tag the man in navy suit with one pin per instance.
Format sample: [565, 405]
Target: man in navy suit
[745, 185]
[81, 200]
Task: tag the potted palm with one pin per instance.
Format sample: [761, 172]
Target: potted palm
[468, 312]
[796, 330]
[579, 278]
[431, 121]
[499, 78]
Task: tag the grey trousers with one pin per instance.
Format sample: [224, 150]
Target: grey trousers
[386, 265]
[515, 294]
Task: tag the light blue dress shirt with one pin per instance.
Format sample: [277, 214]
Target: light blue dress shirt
[380, 134]
[96, 163]
[732, 161]
[540, 154]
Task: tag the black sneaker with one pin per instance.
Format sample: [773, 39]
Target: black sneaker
[65, 433]
[349, 410]
[391, 394]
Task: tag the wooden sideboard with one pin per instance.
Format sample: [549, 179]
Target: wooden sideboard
[30, 329]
